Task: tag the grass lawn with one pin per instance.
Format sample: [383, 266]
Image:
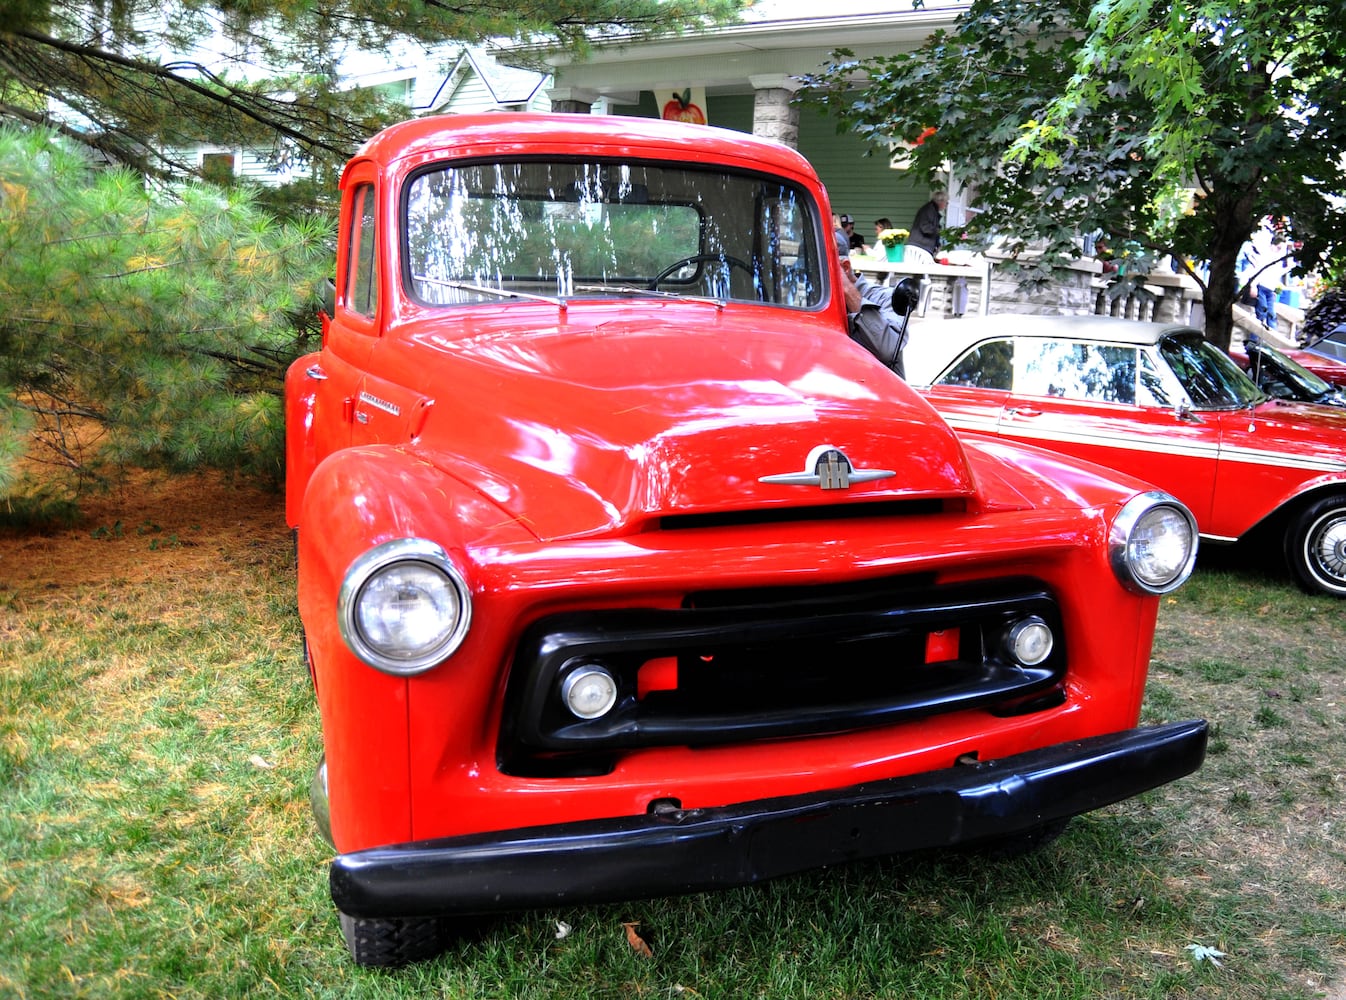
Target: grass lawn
[157, 736]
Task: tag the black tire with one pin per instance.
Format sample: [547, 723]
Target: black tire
[387, 942]
[1315, 547]
[1020, 844]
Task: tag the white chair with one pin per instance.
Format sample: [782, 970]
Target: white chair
[923, 300]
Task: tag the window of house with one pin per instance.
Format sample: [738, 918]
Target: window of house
[217, 167]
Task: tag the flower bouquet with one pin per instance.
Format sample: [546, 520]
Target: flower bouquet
[894, 242]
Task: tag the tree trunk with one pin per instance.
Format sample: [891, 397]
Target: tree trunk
[1235, 220]
[1220, 294]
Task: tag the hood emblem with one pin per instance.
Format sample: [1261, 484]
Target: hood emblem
[828, 468]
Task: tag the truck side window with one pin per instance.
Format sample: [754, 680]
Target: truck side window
[361, 282]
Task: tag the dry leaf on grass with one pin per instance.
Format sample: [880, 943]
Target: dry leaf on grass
[636, 941]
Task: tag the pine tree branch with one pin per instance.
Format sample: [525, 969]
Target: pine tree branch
[69, 71]
[105, 141]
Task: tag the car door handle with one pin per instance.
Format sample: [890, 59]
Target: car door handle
[316, 373]
[1023, 411]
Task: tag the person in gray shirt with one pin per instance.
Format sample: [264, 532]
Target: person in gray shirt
[872, 320]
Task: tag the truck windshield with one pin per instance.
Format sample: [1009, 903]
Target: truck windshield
[594, 228]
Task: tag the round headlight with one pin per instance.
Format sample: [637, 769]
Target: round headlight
[403, 607]
[1153, 543]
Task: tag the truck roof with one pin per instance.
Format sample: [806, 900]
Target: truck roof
[494, 133]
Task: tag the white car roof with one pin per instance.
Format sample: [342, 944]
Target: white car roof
[932, 346]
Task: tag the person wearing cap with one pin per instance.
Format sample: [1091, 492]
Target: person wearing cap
[857, 242]
[870, 318]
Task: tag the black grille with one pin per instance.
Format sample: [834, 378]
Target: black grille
[771, 663]
[817, 512]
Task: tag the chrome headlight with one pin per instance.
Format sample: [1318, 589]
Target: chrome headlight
[1153, 543]
[403, 607]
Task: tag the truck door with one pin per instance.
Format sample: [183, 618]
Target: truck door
[355, 325]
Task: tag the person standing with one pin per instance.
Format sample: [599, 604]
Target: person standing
[923, 242]
[1257, 261]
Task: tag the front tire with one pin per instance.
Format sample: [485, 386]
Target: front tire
[387, 942]
[1022, 844]
[1315, 547]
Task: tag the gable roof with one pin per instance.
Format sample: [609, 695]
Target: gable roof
[506, 84]
[476, 78]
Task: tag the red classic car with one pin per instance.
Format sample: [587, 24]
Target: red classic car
[1325, 355]
[1291, 374]
[623, 571]
[1280, 376]
[1159, 402]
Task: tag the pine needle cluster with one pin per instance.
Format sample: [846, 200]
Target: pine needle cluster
[141, 323]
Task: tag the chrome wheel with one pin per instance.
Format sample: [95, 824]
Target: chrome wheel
[1316, 547]
[1327, 546]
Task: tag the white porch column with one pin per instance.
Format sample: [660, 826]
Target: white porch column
[773, 116]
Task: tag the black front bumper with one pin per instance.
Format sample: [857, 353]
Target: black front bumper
[693, 850]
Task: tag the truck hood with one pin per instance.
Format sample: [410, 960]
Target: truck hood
[583, 428]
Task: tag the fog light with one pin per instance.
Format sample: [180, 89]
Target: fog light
[589, 692]
[1029, 641]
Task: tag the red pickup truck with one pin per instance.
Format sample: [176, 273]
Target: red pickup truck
[624, 571]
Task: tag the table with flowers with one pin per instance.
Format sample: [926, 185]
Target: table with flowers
[976, 268]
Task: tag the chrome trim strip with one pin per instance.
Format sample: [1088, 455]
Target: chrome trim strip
[1240, 455]
[380, 404]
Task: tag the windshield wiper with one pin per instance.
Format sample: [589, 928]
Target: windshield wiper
[650, 293]
[502, 293]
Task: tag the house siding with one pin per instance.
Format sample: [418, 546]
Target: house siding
[858, 179]
[471, 94]
[252, 165]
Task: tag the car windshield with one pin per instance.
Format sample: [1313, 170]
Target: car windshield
[1331, 344]
[1209, 376]
[1283, 376]
[599, 228]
